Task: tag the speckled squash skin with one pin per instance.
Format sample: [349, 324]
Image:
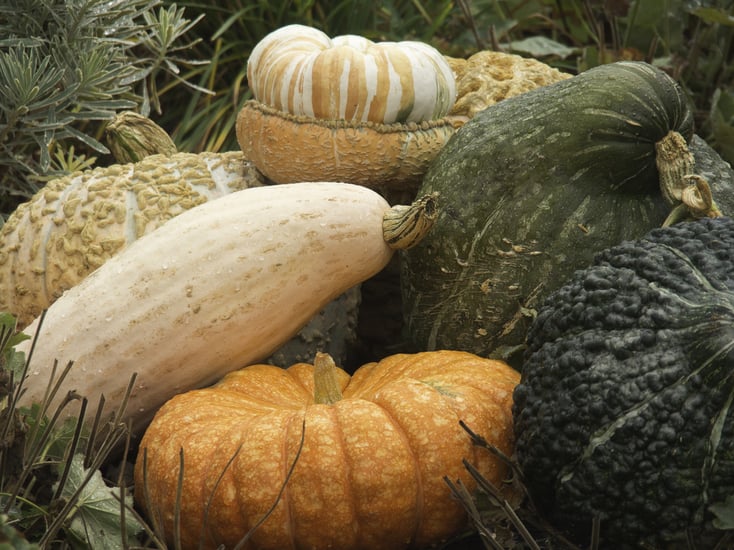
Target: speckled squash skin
[217, 287]
[386, 157]
[624, 410]
[531, 188]
[369, 475]
[78, 222]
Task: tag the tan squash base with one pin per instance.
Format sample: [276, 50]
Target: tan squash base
[385, 157]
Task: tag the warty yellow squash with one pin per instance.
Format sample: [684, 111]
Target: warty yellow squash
[76, 223]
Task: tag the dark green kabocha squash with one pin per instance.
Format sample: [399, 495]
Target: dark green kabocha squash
[530, 189]
[625, 410]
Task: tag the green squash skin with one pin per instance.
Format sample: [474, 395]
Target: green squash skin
[625, 406]
[529, 190]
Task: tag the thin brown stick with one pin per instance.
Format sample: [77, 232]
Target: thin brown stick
[251, 532]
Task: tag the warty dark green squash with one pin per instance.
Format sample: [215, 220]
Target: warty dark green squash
[624, 410]
[530, 189]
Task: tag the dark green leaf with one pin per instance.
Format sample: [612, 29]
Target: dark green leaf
[540, 47]
[724, 513]
[97, 520]
[714, 15]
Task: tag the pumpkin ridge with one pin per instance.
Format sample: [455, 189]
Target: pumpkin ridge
[215, 476]
[346, 459]
[419, 485]
[287, 464]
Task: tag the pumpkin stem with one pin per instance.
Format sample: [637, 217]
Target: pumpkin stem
[404, 226]
[687, 193]
[326, 386]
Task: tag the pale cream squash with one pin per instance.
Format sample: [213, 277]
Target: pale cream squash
[213, 289]
[300, 70]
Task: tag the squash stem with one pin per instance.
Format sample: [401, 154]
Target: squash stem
[404, 226]
[688, 194]
[132, 137]
[674, 161]
[326, 386]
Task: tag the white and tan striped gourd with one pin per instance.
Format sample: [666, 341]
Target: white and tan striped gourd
[76, 223]
[301, 71]
[346, 109]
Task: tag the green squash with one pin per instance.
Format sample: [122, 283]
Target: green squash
[624, 410]
[529, 190]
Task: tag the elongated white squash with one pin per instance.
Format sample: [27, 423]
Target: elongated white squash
[218, 287]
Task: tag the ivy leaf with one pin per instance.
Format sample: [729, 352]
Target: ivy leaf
[7, 322]
[10, 359]
[714, 16]
[540, 46]
[97, 521]
[724, 512]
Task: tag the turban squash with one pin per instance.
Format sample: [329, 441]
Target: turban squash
[375, 449]
[345, 109]
[302, 71]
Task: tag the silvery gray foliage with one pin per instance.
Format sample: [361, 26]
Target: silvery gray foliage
[66, 67]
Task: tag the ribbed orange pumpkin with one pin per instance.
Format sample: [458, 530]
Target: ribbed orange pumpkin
[370, 471]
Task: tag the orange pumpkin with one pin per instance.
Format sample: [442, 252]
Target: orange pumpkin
[375, 449]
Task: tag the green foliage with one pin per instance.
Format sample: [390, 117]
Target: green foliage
[97, 522]
[51, 485]
[66, 67]
[231, 28]
[690, 39]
